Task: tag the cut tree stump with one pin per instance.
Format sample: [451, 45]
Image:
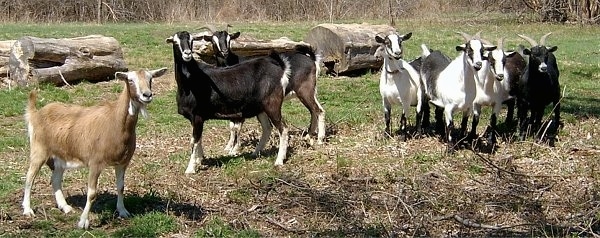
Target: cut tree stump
[59, 61]
[245, 47]
[347, 48]
[4, 55]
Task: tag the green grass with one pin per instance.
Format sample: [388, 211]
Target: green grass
[152, 224]
[353, 107]
[218, 228]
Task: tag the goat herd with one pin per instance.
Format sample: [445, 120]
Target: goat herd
[70, 136]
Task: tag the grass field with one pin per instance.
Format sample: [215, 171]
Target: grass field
[356, 184]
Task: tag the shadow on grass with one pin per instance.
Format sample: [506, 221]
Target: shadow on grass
[581, 107]
[136, 204]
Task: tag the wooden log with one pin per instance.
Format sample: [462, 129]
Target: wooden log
[39, 60]
[246, 47]
[4, 55]
[347, 48]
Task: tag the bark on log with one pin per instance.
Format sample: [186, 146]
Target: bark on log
[93, 58]
[4, 55]
[347, 48]
[246, 47]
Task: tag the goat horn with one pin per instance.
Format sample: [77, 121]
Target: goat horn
[227, 27]
[464, 35]
[501, 43]
[477, 35]
[211, 28]
[484, 41]
[543, 39]
[531, 41]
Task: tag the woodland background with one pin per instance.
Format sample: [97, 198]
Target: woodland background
[581, 11]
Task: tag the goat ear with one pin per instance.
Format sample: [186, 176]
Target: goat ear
[526, 51]
[406, 36]
[510, 54]
[158, 72]
[489, 47]
[121, 76]
[207, 38]
[552, 49]
[169, 40]
[461, 47]
[378, 39]
[234, 35]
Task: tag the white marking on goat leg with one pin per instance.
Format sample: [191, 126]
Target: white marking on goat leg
[196, 158]
[283, 145]
[120, 179]
[266, 126]
[237, 127]
[57, 177]
[37, 161]
[232, 136]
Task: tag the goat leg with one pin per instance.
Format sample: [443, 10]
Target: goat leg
[84, 221]
[403, 132]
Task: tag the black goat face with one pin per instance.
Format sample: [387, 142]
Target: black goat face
[182, 41]
[393, 44]
[538, 55]
[221, 41]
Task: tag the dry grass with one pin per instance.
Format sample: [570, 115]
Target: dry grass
[355, 185]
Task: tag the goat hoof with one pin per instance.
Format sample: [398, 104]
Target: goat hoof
[124, 214]
[66, 209]
[28, 212]
[190, 171]
[84, 224]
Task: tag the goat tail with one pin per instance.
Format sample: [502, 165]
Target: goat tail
[306, 50]
[31, 102]
[30, 111]
[425, 50]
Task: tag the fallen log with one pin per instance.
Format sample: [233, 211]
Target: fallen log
[247, 47]
[69, 60]
[347, 48]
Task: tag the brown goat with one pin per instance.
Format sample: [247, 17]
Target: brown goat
[71, 136]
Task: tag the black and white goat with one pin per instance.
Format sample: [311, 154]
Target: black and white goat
[538, 87]
[496, 81]
[399, 82]
[451, 85]
[304, 65]
[252, 88]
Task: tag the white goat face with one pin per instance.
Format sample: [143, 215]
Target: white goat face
[497, 59]
[474, 49]
[393, 44]
[140, 83]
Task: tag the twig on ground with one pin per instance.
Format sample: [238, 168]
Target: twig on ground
[489, 162]
[64, 80]
[473, 224]
[272, 221]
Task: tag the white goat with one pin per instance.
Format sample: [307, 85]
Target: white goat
[451, 85]
[399, 82]
[71, 136]
[497, 77]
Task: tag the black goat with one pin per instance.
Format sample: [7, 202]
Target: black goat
[252, 88]
[538, 87]
[221, 43]
[304, 65]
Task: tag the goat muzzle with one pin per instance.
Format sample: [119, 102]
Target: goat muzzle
[477, 66]
[500, 77]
